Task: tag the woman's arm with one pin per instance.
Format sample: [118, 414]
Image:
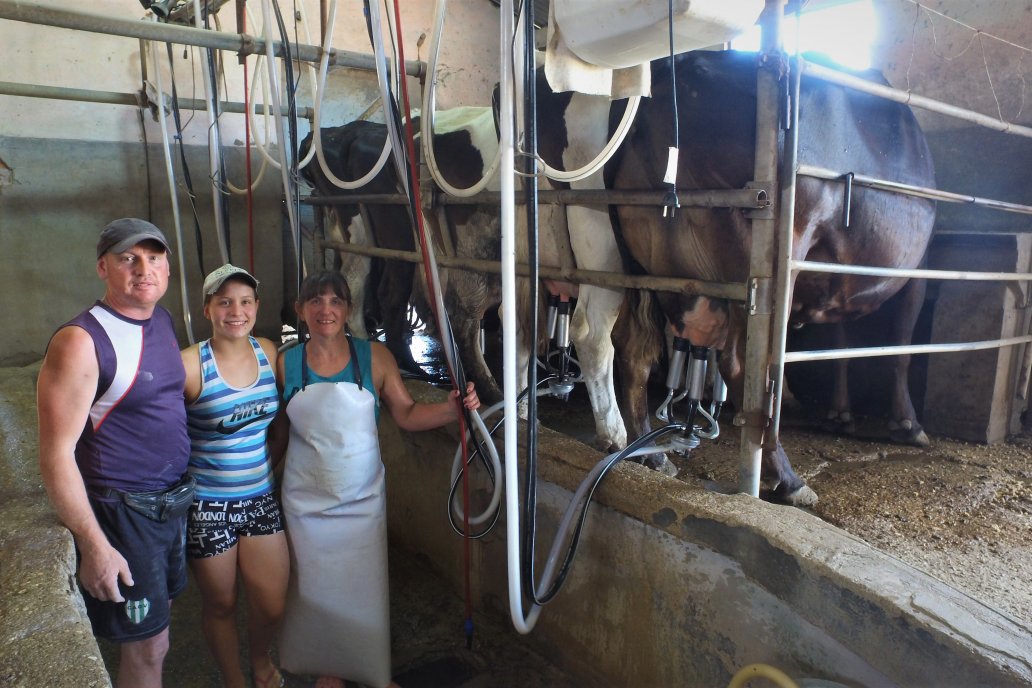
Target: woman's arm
[192, 363]
[406, 412]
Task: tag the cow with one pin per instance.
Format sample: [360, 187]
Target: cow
[350, 151]
[465, 140]
[840, 129]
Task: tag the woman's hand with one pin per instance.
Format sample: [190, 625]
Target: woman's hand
[471, 401]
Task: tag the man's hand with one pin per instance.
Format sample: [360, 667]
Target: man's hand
[100, 570]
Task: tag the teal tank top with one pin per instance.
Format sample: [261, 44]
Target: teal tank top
[294, 377]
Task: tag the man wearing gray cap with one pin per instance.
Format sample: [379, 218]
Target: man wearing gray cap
[113, 448]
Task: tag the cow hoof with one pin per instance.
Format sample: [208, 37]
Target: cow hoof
[908, 432]
[801, 496]
[662, 464]
[840, 423]
[804, 496]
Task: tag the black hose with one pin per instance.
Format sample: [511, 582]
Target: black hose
[530, 193]
[571, 551]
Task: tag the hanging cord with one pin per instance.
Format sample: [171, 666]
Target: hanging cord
[187, 179]
[216, 166]
[292, 197]
[242, 28]
[670, 201]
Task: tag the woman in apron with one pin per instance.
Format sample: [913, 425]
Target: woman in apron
[337, 615]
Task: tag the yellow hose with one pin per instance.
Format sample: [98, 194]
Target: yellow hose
[754, 671]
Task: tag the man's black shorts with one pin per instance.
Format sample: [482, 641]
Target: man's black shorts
[156, 553]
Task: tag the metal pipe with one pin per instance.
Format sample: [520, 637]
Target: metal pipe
[733, 198]
[762, 255]
[138, 99]
[963, 275]
[786, 235]
[244, 44]
[930, 104]
[909, 349]
[912, 190]
[719, 290]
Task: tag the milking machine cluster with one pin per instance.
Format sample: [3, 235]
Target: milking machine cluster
[557, 323]
[686, 380]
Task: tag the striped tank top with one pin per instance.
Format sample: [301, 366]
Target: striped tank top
[227, 427]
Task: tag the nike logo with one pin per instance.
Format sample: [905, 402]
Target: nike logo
[223, 430]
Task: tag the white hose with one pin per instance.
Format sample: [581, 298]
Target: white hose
[523, 624]
[604, 155]
[260, 73]
[173, 196]
[316, 147]
[426, 127]
[214, 145]
[280, 124]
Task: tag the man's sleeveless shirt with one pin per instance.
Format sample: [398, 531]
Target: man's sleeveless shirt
[135, 438]
[228, 427]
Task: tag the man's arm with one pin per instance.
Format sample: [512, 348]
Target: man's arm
[65, 391]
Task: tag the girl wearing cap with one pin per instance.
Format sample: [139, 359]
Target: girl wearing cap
[336, 622]
[235, 523]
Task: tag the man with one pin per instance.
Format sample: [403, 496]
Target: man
[113, 448]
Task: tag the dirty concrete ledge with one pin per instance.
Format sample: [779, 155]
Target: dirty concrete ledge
[674, 585]
[45, 637]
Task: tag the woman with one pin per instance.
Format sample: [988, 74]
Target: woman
[235, 523]
[337, 621]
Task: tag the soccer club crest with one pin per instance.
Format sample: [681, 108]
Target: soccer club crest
[137, 610]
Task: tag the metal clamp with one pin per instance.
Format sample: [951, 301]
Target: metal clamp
[758, 298]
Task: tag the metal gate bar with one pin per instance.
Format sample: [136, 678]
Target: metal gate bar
[679, 285]
[240, 43]
[911, 190]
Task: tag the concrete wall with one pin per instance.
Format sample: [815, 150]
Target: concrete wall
[50, 220]
[975, 395]
[45, 637]
[676, 586]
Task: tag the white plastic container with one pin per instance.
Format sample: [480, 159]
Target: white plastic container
[624, 33]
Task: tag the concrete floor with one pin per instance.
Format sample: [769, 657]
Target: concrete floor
[429, 647]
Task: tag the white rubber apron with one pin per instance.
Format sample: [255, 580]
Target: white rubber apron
[337, 619]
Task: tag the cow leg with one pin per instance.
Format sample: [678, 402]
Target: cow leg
[354, 267]
[840, 415]
[393, 292]
[779, 480]
[637, 343]
[591, 330]
[466, 328]
[904, 427]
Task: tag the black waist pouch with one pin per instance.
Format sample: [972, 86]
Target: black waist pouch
[162, 505]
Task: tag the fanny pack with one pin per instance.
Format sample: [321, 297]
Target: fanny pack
[159, 505]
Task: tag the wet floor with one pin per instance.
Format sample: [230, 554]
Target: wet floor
[428, 642]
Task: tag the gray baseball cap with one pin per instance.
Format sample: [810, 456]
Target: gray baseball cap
[121, 235]
[213, 282]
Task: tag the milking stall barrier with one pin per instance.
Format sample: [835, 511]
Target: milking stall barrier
[672, 585]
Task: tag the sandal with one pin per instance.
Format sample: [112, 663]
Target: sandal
[273, 679]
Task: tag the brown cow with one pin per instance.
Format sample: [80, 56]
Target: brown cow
[840, 129]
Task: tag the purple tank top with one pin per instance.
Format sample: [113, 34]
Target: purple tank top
[135, 438]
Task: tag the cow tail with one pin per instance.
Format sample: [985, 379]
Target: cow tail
[639, 328]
